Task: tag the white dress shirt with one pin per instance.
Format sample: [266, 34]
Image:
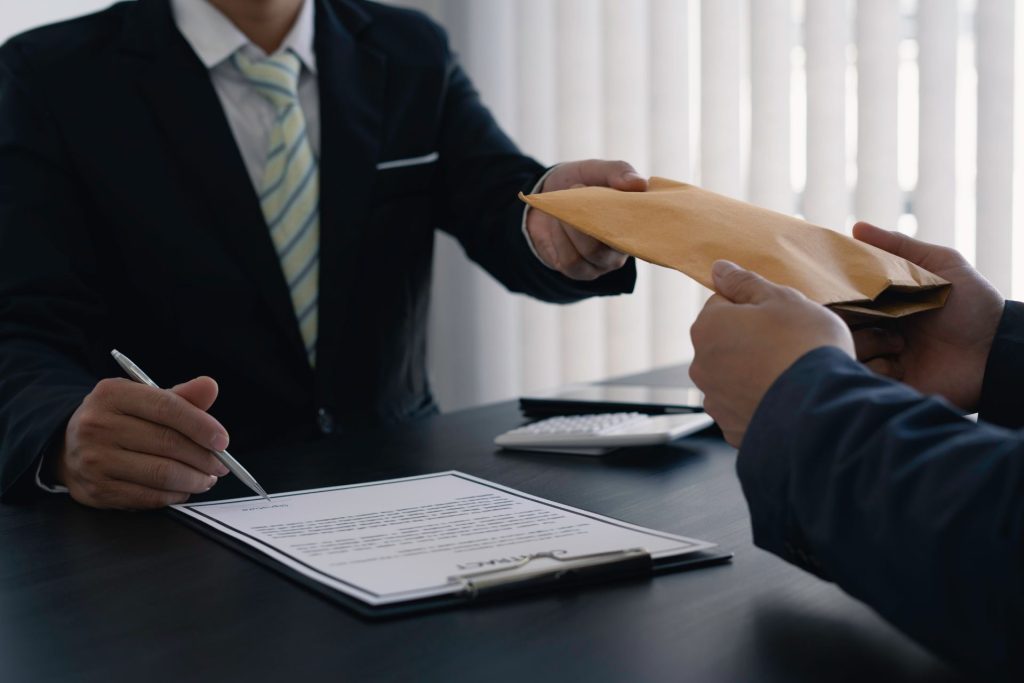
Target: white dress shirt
[214, 39]
[251, 116]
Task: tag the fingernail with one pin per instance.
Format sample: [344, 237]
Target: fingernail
[222, 471]
[213, 480]
[631, 176]
[723, 268]
[219, 442]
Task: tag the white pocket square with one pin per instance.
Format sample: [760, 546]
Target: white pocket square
[411, 161]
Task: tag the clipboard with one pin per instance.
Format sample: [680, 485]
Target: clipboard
[632, 564]
[421, 576]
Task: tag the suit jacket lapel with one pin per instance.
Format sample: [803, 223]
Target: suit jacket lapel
[190, 113]
[352, 78]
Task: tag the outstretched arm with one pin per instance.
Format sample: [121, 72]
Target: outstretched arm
[482, 174]
[861, 479]
[899, 499]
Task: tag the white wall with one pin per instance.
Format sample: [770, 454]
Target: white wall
[19, 15]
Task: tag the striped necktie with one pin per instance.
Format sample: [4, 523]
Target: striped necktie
[290, 190]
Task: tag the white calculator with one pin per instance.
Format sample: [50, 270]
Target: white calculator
[604, 430]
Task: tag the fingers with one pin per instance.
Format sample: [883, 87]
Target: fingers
[123, 495]
[141, 436]
[133, 446]
[741, 286]
[714, 301]
[200, 392]
[562, 255]
[556, 248]
[165, 408]
[153, 472]
[732, 431]
[929, 256]
[871, 342]
[615, 174]
[891, 241]
[561, 246]
[593, 251]
[705, 329]
[879, 350]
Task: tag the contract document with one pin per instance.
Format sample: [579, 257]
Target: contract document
[420, 537]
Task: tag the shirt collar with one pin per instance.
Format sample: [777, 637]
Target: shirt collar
[214, 38]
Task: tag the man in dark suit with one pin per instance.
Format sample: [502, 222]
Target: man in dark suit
[876, 480]
[246, 189]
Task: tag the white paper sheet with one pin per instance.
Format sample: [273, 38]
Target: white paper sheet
[403, 539]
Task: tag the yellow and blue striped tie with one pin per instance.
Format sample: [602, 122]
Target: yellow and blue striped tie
[290, 190]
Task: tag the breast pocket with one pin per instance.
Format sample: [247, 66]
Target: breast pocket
[404, 176]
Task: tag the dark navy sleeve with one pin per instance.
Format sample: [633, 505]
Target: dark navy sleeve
[1001, 397]
[900, 500]
[49, 310]
[483, 174]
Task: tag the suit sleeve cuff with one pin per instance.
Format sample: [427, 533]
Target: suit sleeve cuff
[50, 452]
[526, 212]
[41, 480]
[1004, 371]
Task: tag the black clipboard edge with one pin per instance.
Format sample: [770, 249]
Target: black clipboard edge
[686, 562]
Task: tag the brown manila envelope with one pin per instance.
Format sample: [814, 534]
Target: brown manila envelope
[686, 228]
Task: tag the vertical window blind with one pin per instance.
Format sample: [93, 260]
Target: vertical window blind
[898, 112]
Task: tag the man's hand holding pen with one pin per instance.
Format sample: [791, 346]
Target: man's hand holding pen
[132, 446]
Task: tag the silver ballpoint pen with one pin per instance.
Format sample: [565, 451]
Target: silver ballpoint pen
[136, 373]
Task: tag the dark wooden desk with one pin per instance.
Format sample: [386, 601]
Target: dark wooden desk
[99, 596]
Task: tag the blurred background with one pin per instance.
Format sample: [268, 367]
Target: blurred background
[900, 112]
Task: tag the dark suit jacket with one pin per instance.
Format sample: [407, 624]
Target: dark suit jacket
[127, 220]
[901, 501]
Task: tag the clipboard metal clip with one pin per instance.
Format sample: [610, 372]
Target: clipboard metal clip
[568, 569]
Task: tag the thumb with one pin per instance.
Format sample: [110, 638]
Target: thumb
[200, 392]
[893, 242]
[739, 285]
[615, 174]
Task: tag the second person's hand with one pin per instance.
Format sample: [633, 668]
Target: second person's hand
[943, 351]
[746, 336]
[130, 446]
